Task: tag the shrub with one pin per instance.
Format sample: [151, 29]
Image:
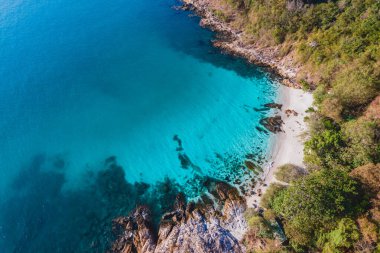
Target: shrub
[305, 85]
[289, 172]
[269, 215]
[260, 227]
[270, 193]
[260, 236]
[221, 15]
[332, 108]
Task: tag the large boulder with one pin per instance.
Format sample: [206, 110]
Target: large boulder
[135, 233]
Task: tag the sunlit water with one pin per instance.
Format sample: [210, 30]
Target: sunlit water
[81, 81]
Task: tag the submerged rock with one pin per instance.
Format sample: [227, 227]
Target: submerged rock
[140, 233]
[250, 165]
[273, 105]
[185, 160]
[261, 109]
[210, 225]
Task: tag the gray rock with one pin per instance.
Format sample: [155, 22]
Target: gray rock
[190, 227]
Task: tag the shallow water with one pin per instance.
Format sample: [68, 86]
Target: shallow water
[81, 81]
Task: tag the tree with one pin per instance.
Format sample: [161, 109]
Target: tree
[368, 230]
[323, 148]
[369, 176]
[316, 203]
[361, 138]
[289, 172]
[270, 193]
[341, 238]
[355, 86]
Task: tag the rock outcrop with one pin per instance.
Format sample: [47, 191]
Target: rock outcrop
[273, 106]
[212, 224]
[234, 42]
[273, 124]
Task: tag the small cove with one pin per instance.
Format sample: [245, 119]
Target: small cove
[92, 85]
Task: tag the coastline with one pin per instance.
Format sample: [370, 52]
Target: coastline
[286, 146]
[234, 42]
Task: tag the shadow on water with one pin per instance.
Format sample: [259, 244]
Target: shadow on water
[200, 46]
[40, 216]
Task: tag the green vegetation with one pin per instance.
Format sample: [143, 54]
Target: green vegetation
[262, 235]
[348, 145]
[289, 172]
[267, 198]
[336, 42]
[337, 45]
[329, 210]
[340, 239]
[315, 204]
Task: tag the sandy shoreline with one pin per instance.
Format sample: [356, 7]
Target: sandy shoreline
[287, 146]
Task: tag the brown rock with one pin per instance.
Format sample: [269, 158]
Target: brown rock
[188, 228]
[289, 112]
[273, 124]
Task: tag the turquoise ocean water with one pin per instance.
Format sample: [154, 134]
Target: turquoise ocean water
[134, 86]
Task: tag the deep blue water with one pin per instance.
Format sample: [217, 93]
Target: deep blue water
[82, 81]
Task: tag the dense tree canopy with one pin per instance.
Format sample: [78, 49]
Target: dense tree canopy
[316, 203]
[341, 238]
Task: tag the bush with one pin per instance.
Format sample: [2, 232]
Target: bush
[270, 193]
[269, 215]
[354, 144]
[320, 93]
[332, 108]
[305, 85]
[260, 227]
[289, 172]
[221, 15]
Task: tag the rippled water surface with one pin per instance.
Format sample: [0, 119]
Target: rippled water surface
[109, 104]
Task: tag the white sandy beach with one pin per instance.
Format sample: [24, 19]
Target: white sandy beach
[287, 146]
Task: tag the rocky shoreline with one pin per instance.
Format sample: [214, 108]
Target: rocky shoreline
[215, 222]
[233, 41]
[207, 225]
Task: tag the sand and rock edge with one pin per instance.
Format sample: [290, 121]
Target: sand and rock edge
[286, 145]
[216, 222]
